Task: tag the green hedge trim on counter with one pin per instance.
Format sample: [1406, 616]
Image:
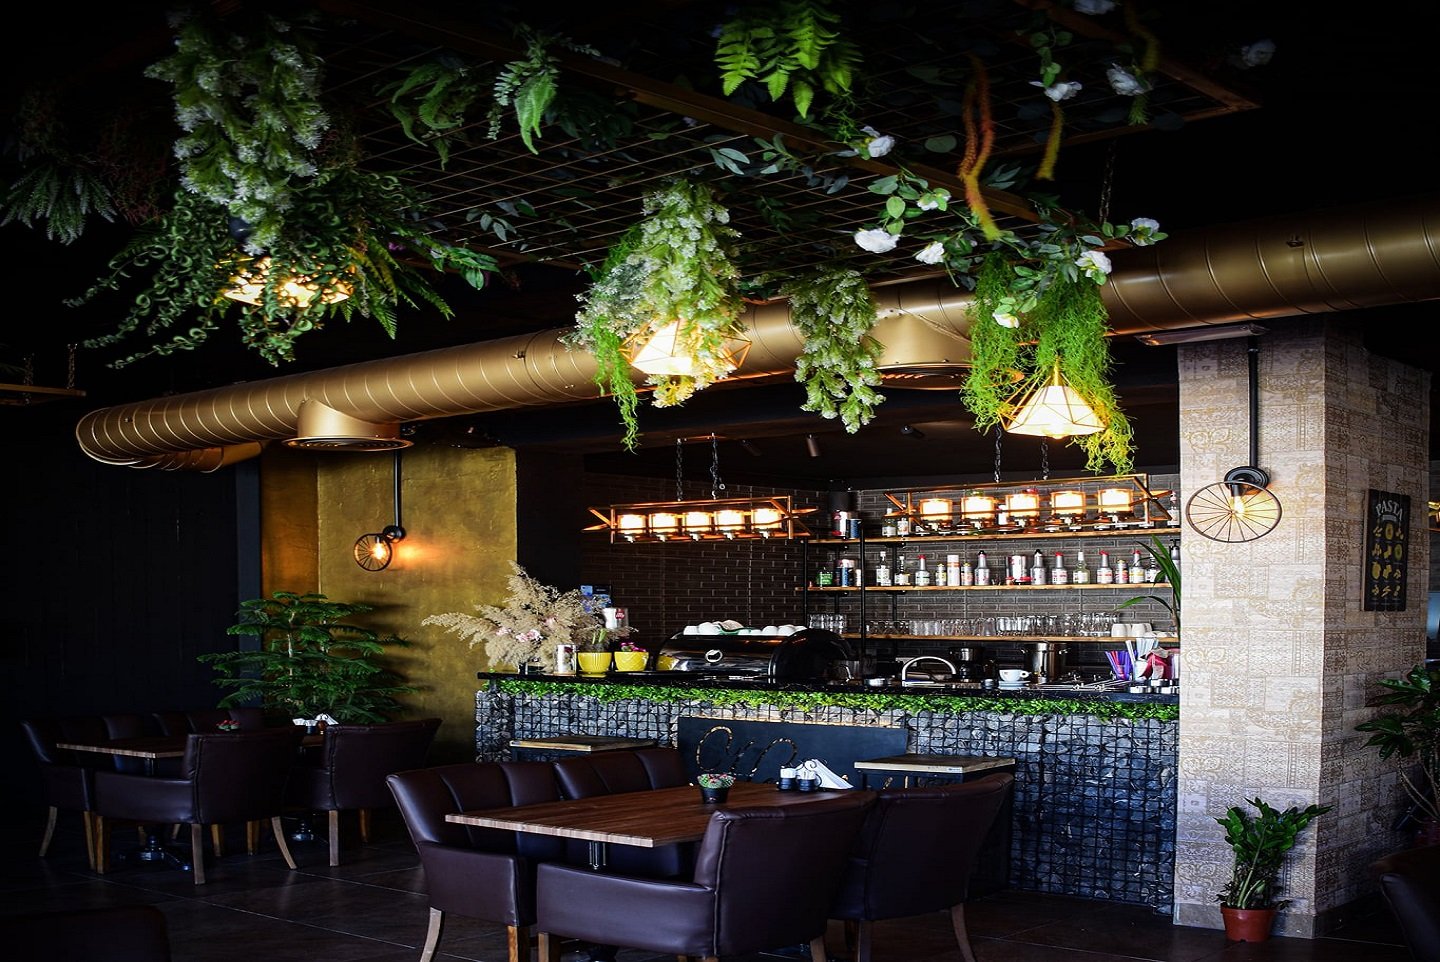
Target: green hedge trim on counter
[914, 704]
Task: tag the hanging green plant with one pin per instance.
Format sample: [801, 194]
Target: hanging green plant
[249, 104]
[344, 236]
[994, 345]
[793, 45]
[834, 310]
[673, 273]
[528, 85]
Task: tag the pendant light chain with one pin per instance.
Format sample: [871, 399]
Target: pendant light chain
[1044, 459]
[998, 434]
[716, 485]
[679, 474]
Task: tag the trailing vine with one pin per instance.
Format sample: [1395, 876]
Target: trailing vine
[994, 347]
[834, 310]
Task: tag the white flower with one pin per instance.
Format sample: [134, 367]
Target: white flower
[877, 240]
[1063, 90]
[879, 144]
[1006, 319]
[1095, 265]
[1257, 54]
[1142, 231]
[932, 253]
[1094, 7]
[931, 200]
[1124, 83]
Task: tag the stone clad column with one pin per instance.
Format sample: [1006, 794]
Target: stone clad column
[1279, 658]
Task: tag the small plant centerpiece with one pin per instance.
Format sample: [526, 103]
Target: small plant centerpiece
[714, 786]
[522, 633]
[631, 656]
[310, 661]
[1410, 728]
[1260, 843]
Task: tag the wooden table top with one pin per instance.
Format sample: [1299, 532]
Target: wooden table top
[156, 746]
[662, 816]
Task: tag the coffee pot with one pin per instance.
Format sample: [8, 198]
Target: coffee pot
[971, 664]
[1046, 660]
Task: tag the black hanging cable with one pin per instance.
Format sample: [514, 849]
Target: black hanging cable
[1044, 459]
[679, 474]
[998, 434]
[716, 485]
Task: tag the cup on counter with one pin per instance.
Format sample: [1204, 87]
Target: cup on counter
[1013, 675]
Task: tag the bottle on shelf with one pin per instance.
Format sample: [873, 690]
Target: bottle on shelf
[967, 573]
[953, 572]
[1058, 574]
[1122, 573]
[941, 576]
[1037, 568]
[922, 573]
[1104, 575]
[901, 574]
[1137, 568]
[1081, 574]
[982, 572]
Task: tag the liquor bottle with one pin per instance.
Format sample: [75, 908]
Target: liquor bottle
[982, 573]
[922, 574]
[941, 576]
[1058, 574]
[952, 572]
[1104, 575]
[901, 575]
[1037, 568]
[1175, 552]
[1081, 574]
[1122, 573]
[967, 574]
[1137, 569]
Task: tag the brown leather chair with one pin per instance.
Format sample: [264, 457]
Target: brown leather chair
[67, 778]
[1410, 881]
[629, 770]
[915, 854]
[127, 933]
[764, 879]
[479, 873]
[224, 777]
[348, 772]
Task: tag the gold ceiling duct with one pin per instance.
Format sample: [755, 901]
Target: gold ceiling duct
[1322, 261]
[320, 427]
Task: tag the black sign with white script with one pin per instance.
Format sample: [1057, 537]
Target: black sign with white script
[1387, 550]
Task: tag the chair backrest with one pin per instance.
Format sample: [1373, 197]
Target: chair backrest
[628, 770]
[1410, 881]
[356, 759]
[240, 776]
[917, 849]
[126, 725]
[426, 795]
[775, 869]
[202, 720]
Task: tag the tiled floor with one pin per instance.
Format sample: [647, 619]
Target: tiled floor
[372, 908]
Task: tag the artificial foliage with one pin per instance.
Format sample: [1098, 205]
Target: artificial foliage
[310, 660]
[1169, 567]
[834, 310]
[677, 264]
[1408, 727]
[525, 629]
[248, 103]
[913, 704]
[527, 86]
[1260, 843]
[793, 46]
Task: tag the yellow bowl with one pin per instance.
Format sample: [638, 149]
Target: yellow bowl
[631, 660]
[594, 662]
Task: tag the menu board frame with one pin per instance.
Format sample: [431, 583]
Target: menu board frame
[1386, 562]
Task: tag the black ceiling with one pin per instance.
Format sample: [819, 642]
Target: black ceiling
[1339, 116]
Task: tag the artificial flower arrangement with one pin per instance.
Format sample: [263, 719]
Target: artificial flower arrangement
[714, 780]
[525, 629]
[228, 725]
[630, 646]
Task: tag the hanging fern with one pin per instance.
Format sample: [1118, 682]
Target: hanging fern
[529, 85]
[432, 100]
[834, 310]
[794, 45]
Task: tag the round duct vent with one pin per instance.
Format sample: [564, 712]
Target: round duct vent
[320, 427]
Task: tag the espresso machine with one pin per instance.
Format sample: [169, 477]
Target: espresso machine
[971, 664]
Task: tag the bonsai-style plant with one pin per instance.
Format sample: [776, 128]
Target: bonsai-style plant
[1260, 844]
[310, 661]
[524, 631]
[1410, 728]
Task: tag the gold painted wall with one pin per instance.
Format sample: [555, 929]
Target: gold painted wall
[458, 510]
[289, 555]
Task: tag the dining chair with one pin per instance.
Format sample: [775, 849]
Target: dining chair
[915, 854]
[66, 783]
[479, 873]
[764, 879]
[348, 772]
[627, 770]
[1410, 882]
[225, 777]
[203, 720]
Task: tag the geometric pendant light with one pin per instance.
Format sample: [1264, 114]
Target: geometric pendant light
[1051, 410]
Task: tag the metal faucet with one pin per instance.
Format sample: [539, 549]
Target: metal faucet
[905, 666]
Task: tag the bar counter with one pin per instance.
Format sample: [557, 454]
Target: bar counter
[1095, 789]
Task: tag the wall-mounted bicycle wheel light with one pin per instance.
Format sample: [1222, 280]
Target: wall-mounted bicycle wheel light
[1241, 507]
[376, 550]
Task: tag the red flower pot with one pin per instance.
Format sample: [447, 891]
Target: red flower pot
[1247, 925]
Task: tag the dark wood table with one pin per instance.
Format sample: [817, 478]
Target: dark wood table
[662, 816]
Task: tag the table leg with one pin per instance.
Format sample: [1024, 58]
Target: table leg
[599, 855]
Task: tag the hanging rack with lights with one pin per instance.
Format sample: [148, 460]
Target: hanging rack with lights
[772, 518]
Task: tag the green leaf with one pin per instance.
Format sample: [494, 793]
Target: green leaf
[941, 144]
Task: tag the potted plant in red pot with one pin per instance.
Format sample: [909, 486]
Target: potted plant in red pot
[1260, 843]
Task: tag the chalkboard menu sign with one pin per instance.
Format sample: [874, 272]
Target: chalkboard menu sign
[1387, 550]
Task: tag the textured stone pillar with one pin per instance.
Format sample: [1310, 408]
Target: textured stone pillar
[1279, 657]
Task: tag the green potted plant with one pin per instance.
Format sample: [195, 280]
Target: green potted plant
[1170, 571]
[1410, 728]
[1248, 903]
[310, 661]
